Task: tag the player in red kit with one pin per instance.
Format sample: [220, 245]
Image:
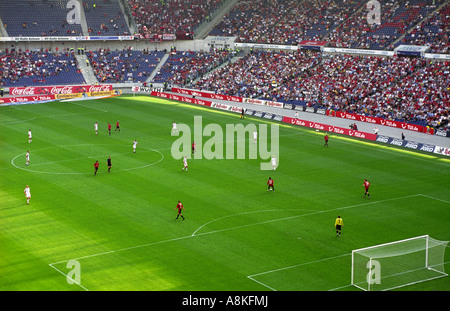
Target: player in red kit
[270, 185]
[193, 147]
[117, 126]
[109, 129]
[180, 208]
[96, 164]
[326, 140]
[366, 187]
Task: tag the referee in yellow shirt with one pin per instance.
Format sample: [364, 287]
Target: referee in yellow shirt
[338, 224]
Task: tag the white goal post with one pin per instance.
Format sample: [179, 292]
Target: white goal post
[398, 264]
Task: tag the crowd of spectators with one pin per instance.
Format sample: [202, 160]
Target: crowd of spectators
[421, 97]
[158, 19]
[342, 23]
[38, 67]
[284, 21]
[412, 90]
[260, 74]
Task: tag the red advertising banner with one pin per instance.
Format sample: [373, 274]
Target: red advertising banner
[330, 128]
[58, 89]
[26, 99]
[380, 121]
[207, 95]
[181, 98]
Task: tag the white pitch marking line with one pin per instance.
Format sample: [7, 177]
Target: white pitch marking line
[78, 173]
[265, 285]
[427, 196]
[251, 277]
[302, 264]
[66, 277]
[252, 212]
[87, 157]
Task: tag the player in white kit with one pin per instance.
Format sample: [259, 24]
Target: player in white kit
[27, 192]
[174, 128]
[29, 136]
[255, 136]
[274, 163]
[185, 164]
[134, 145]
[27, 158]
[96, 128]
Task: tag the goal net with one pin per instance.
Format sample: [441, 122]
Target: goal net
[397, 264]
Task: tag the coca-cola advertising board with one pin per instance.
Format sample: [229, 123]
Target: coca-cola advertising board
[58, 89]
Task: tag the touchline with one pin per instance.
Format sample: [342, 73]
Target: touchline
[233, 135]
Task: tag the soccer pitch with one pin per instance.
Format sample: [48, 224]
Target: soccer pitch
[120, 227]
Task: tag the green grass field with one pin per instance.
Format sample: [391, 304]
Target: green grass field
[121, 228]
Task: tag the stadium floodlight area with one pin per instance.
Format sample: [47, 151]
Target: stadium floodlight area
[398, 264]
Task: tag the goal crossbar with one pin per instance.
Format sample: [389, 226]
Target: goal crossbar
[391, 243]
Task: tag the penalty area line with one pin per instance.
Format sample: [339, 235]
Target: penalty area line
[68, 277]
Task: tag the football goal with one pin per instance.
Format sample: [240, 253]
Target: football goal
[398, 264]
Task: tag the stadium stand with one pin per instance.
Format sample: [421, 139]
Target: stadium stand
[37, 68]
[158, 18]
[405, 89]
[123, 66]
[37, 18]
[434, 32]
[342, 23]
[259, 74]
[397, 18]
[183, 67]
[105, 17]
[284, 21]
